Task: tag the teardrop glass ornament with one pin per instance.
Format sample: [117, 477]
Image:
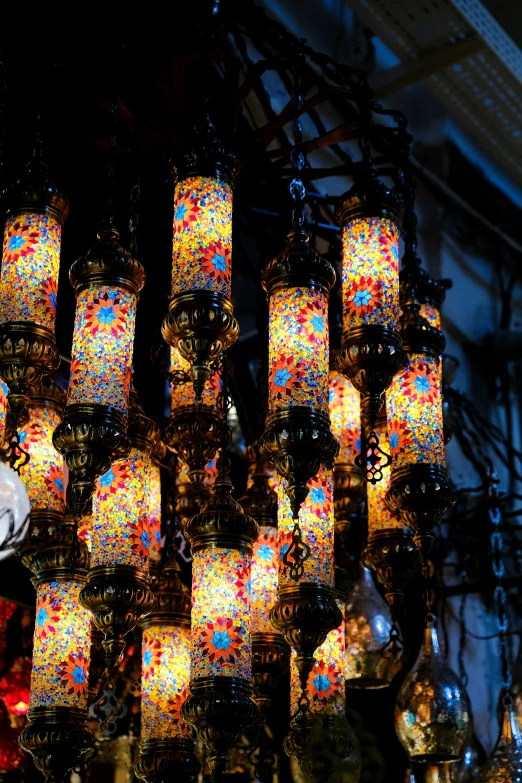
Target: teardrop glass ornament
[505, 763]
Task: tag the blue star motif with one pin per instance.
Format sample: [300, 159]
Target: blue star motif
[221, 640]
[145, 540]
[147, 658]
[107, 479]
[264, 552]
[321, 682]
[394, 441]
[107, 315]
[58, 483]
[317, 495]
[421, 384]
[317, 323]
[180, 212]
[41, 617]
[16, 242]
[282, 377]
[220, 262]
[331, 396]
[78, 675]
[362, 298]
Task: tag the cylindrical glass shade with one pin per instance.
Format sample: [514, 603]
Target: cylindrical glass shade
[165, 677]
[298, 349]
[182, 394]
[221, 614]
[4, 391]
[326, 687]
[62, 647]
[264, 579]
[431, 314]
[102, 347]
[30, 266]
[85, 529]
[120, 530]
[379, 515]
[202, 245]
[414, 409]
[155, 514]
[43, 474]
[345, 417]
[316, 520]
[370, 275]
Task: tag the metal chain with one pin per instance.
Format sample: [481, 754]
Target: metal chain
[134, 216]
[111, 156]
[297, 155]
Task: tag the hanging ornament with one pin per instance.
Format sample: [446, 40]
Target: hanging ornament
[166, 744]
[220, 705]
[371, 352]
[56, 734]
[432, 713]
[200, 322]
[373, 654]
[390, 552]
[345, 418]
[194, 429]
[43, 474]
[505, 763]
[270, 652]
[118, 587]
[29, 283]
[320, 737]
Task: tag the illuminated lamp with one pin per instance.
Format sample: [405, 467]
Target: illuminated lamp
[11, 754]
[220, 705]
[107, 281]
[420, 489]
[15, 687]
[29, 283]
[371, 352]
[158, 457]
[297, 437]
[270, 652]
[166, 744]
[200, 322]
[118, 589]
[4, 409]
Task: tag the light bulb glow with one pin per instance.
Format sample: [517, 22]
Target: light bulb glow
[414, 409]
[316, 520]
[345, 417]
[202, 243]
[370, 276]
[221, 614]
[43, 474]
[120, 530]
[155, 514]
[326, 688]
[264, 579]
[298, 349]
[102, 347]
[62, 647]
[165, 678]
[30, 266]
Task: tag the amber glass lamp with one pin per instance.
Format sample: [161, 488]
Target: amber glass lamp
[200, 322]
[220, 704]
[107, 281]
[118, 587]
[29, 283]
[166, 744]
[371, 351]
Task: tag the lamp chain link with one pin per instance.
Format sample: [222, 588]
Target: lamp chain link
[297, 155]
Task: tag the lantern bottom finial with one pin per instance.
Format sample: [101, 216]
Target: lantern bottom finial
[57, 738]
[165, 760]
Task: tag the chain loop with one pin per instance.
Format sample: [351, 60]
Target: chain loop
[297, 155]
[499, 571]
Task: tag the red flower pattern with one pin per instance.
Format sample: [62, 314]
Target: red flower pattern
[363, 296]
[221, 641]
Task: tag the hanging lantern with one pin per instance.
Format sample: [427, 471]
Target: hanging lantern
[430, 292]
[158, 456]
[297, 438]
[321, 739]
[194, 430]
[390, 553]
[166, 745]
[29, 282]
[345, 418]
[307, 611]
[371, 352]
[107, 281]
[220, 704]
[118, 587]
[270, 652]
[200, 322]
[15, 689]
[505, 762]
[420, 489]
[432, 713]
[56, 734]
[43, 475]
[372, 659]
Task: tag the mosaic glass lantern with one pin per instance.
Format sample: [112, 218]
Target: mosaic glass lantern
[371, 352]
[270, 652]
[390, 552]
[56, 734]
[107, 281]
[29, 283]
[166, 744]
[420, 490]
[220, 703]
[118, 587]
[158, 457]
[297, 438]
[345, 418]
[200, 322]
[43, 474]
[320, 738]
[194, 430]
